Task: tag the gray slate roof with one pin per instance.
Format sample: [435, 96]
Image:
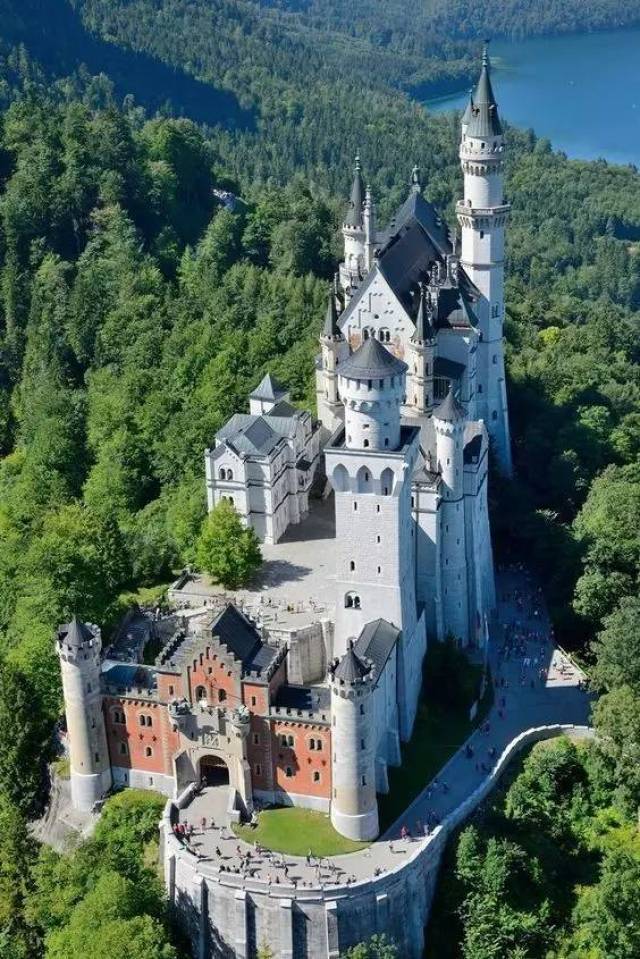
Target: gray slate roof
[376, 642]
[75, 633]
[268, 389]
[450, 410]
[372, 361]
[331, 330]
[351, 669]
[254, 435]
[484, 120]
[307, 698]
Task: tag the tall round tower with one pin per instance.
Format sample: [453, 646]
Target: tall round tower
[79, 648]
[449, 423]
[483, 215]
[372, 385]
[354, 807]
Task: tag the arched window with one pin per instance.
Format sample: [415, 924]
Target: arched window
[352, 601]
[141, 720]
[340, 479]
[149, 721]
[222, 695]
[319, 745]
[386, 482]
[316, 776]
[222, 473]
[229, 474]
[148, 751]
[201, 693]
[363, 480]
[312, 744]
[365, 444]
[352, 566]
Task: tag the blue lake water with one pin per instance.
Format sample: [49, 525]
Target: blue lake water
[581, 91]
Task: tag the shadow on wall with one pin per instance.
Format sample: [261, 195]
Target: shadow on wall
[54, 34]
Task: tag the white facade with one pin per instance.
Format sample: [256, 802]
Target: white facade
[264, 463]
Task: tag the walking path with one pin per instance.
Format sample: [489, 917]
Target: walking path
[535, 685]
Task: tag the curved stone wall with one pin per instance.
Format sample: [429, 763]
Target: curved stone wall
[227, 916]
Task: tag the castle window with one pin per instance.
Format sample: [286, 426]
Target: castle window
[253, 701]
[362, 744]
[316, 777]
[479, 387]
[365, 443]
[258, 769]
[386, 442]
[142, 721]
[171, 690]
[290, 741]
[352, 566]
[363, 781]
[93, 722]
[256, 739]
[201, 693]
[97, 757]
[369, 384]
[148, 751]
[377, 539]
[222, 474]
[378, 508]
[495, 359]
[380, 384]
[123, 749]
[494, 415]
[319, 745]
[379, 570]
[283, 740]
[312, 744]
[362, 709]
[288, 772]
[482, 234]
[222, 695]
[355, 507]
[229, 474]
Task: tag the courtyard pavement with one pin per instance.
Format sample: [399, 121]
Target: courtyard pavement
[535, 685]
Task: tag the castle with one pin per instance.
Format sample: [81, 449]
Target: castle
[410, 393]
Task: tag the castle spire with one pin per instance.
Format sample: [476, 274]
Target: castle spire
[354, 214]
[483, 120]
[331, 330]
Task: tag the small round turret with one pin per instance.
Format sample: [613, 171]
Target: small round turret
[449, 421]
[79, 645]
[372, 387]
[354, 806]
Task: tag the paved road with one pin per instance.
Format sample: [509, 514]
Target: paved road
[534, 686]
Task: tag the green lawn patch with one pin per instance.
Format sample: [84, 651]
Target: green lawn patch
[296, 831]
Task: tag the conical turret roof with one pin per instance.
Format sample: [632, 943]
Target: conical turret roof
[450, 410]
[75, 633]
[372, 361]
[424, 331]
[331, 330]
[483, 119]
[354, 214]
[351, 669]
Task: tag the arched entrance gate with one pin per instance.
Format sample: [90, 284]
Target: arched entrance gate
[213, 771]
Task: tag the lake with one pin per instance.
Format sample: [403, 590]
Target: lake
[580, 91]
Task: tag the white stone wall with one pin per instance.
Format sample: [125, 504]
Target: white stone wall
[354, 807]
[143, 779]
[229, 918]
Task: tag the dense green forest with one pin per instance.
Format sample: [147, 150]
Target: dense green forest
[548, 869]
[136, 312]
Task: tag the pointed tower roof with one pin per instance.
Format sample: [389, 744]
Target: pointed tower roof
[331, 330]
[351, 669]
[484, 120]
[424, 331]
[450, 410]
[268, 389]
[75, 633]
[372, 361]
[354, 214]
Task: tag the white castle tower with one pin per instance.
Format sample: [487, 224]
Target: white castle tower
[354, 807]
[420, 357]
[79, 648]
[353, 268]
[449, 422]
[370, 468]
[483, 216]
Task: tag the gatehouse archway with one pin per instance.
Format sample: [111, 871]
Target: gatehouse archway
[214, 771]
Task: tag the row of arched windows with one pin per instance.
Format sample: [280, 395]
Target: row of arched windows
[383, 335]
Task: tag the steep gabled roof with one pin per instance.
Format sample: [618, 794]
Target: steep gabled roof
[237, 633]
[419, 210]
[376, 641]
[372, 361]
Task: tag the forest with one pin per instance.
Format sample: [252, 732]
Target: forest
[136, 312]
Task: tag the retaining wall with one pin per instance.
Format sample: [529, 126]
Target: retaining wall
[228, 917]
